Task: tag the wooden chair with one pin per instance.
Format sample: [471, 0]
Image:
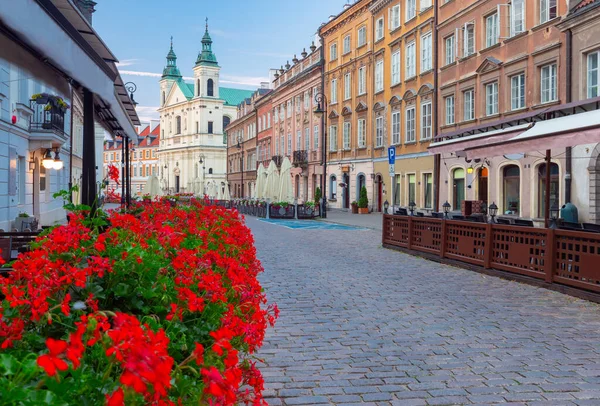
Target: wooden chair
[567, 225]
[437, 215]
[420, 214]
[524, 223]
[401, 212]
[591, 227]
[505, 221]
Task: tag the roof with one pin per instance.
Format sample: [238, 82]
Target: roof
[585, 3]
[233, 97]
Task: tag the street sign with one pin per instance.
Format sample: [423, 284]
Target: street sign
[392, 155]
[392, 170]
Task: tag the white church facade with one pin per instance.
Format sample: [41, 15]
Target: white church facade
[193, 116]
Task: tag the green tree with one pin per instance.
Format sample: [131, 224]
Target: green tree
[363, 201]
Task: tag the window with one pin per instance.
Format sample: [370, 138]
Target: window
[163, 98]
[379, 29]
[396, 127]
[197, 127]
[425, 4]
[276, 115]
[42, 170]
[306, 101]
[396, 68]
[276, 145]
[332, 187]
[511, 186]
[426, 63]
[541, 192]
[458, 188]
[333, 138]
[469, 105]
[347, 130]
[316, 137]
[491, 30]
[147, 154]
[411, 68]
[362, 133]
[298, 141]
[449, 101]
[333, 91]
[347, 87]
[394, 17]
[178, 125]
[491, 99]
[289, 144]
[362, 80]
[379, 132]
[450, 45]
[411, 9]
[547, 10]
[412, 189]
[362, 36]
[210, 127]
[428, 190]
[289, 108]
[468, 39]
[517, 17]
[210, 88]
[517, 92]
[426, 121]
[548, 84]
[410, 125]
[333, 52]
[226, 121]
[593, 74]
[297, 104]
[346, 44]
[269, 119]
[307, 139]
[379, 76]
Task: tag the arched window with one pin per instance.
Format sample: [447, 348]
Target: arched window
[360, 182]
[164, 97]
[332, 187]
[178, 125]
[458, 188]
[210, 88]
[226, 121]
[542, 187]
[210, 171]
[511, 185]
[198, 87]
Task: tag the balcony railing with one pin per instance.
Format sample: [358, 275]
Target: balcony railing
[47, 119]
[300, 158]
[278, 159]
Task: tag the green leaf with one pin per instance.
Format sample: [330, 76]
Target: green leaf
[8, 364]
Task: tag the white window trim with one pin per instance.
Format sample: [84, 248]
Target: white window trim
[396, 76]
[379, 33]
[410, 124]
[344, 50]
[362, 80]
[411, 60]
[429, 127]
[590, 72]
[450, 119]
[347, 86]
[471, 105]
[494, 96]
[396, 136]
[426, 57]
[362, 38]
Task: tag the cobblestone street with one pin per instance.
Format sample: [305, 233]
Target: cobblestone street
[363, 324]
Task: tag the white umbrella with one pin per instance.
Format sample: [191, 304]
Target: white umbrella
[285, 184]
[197, 186]
[219, 192]
[226, 195]
[261, 177]
[209, 190]
[152, 187]
[271, 190]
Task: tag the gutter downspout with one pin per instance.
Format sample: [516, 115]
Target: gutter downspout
[71, 150]
[323, 210]
[569, 82]
[437, 157]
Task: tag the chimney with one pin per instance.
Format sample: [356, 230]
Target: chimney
[86, 7]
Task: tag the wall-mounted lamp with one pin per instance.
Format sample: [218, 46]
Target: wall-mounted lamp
[48, 161]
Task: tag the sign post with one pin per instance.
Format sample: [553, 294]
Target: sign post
[392, 161]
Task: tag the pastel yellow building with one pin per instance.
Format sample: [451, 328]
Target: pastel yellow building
[403, 100]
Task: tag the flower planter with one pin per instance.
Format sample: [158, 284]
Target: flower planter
[280, 212]
[354, 209]
[307, 212]
[362, 210]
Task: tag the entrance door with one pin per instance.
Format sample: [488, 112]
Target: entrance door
[346, 191]
[482, 185]
[176, 184]
[379, 192]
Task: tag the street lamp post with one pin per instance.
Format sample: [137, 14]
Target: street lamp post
[166, 167]
[202, 161]
[446, 206]
[493, 210]
[240, 145]
[321, 112]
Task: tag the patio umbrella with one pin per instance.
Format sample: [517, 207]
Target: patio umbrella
[197, 186]
[261, 176]
[271, 190]
[152, 187]
[210, 190]
[286, 193]
[219, 192]
[226, 195]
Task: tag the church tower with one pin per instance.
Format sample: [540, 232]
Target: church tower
[206, 71]
[170, 75]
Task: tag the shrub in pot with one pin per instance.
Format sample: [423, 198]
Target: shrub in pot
[363, 201]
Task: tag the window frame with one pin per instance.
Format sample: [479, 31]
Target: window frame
[426, 120]
[591, 72]
[333, 138]
[395, 122]
[450, 119]
[522, 93]
[411, 9]
[426, 57]
[394, 13]
[379, 132]
[491, 97]
[410, 114]
[513, 17]
[362, 80]
[362, 132]
[347, 86]
[469, 104]
[333, 91]
[333, 55]
[347, 135]
[551, 80]
[410, 60]
[395, 69]
[379, 74]
[379, 29]
[546, 12]
[347, 44]
[489, 40]
[450, 49]
[362, 37]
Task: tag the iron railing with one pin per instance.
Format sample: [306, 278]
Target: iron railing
[47, 118]
[300, 158]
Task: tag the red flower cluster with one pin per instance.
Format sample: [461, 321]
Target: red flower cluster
[113, 173]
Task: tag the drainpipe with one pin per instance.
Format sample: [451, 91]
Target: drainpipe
[569, 81]
[325, 101]
[71, 148]
[437, 157]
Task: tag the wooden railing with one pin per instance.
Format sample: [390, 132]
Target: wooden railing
[555, 256]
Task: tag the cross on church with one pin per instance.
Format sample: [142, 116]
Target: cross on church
[206, 23]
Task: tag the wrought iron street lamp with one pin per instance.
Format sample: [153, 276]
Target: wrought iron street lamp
[446, 206]
[386, 206]
[321, 113]
[411, 207]
[131, 88]
[166, 167]
[493, 210]
[554, 216]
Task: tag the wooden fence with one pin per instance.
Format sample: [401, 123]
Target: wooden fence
[555, 256]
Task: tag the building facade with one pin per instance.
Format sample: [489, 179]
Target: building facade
[241, 150]
[264, 109]
[402, 107]
[297, 129]
[499, 66]
[192, 120]
[348, 75]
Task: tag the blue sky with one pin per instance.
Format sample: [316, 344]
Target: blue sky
[249, 37]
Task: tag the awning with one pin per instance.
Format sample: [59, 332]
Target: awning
[76, 59]
[462, 143]
[562, 132]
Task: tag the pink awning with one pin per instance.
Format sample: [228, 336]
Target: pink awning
[472, 141]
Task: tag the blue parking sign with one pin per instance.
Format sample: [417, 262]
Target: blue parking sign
[392, 155]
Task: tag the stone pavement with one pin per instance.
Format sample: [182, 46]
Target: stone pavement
[360, 324]
[371, 220]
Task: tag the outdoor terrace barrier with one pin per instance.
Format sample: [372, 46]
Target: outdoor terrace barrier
[563, 257]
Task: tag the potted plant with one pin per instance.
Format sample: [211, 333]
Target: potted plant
[318, 196]
[40, 98]
[354, 206]
[363, 201]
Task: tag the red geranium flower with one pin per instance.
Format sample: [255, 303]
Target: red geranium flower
[51, 362]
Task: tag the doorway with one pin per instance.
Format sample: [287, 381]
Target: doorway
[346, 191]
[482, 184]
[458, 185]
[379, 181]
[176, 184]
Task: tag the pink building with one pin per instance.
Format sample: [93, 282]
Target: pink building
[296, 129]
[264, 110]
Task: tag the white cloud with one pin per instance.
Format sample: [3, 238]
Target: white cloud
[127, 62]
[146, 74]
[147, 113]
[225, 79]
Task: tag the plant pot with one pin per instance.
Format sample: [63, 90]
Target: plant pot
[364, 210]
[354, 209]
[42, 100]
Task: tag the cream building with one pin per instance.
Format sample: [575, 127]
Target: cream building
[193, 117]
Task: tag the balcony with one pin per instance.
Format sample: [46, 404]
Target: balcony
[300, 159]
[47, 123]
[278, 159]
